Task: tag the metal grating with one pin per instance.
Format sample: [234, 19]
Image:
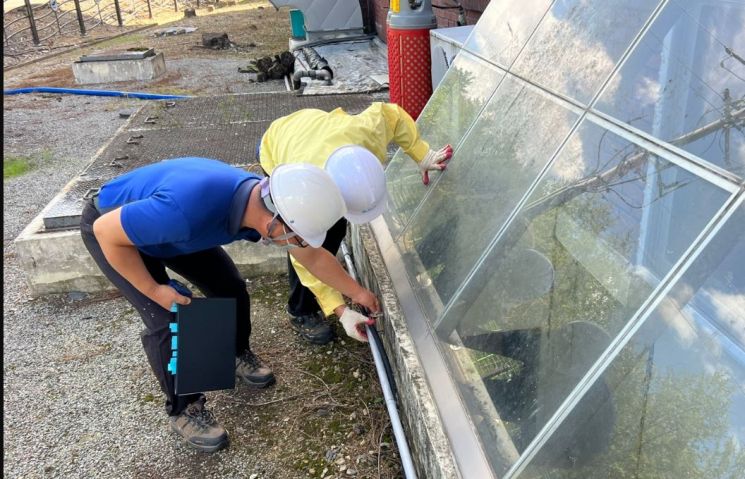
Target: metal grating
[225, 128]
[208, 112]
[65, 213]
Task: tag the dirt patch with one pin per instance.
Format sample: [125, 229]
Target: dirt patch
[58, 77]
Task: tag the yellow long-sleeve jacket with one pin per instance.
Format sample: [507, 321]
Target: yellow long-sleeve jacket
[310, 136]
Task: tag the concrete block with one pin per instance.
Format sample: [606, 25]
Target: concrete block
[143, 69]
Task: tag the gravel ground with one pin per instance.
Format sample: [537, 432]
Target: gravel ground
[79, 397]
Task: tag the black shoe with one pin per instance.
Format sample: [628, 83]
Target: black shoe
[252, 371]
[312, 327]
[199, 428]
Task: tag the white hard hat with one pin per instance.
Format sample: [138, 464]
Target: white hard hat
[307, 200]
[361, 180]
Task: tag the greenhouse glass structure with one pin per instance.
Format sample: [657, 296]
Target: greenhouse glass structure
[574, 282]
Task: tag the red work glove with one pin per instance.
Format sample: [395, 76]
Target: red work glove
[435, 161]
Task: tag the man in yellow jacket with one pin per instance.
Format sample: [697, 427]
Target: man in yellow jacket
[351, 142]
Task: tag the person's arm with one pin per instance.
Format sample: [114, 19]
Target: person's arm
[329, 299]
[402, 129]
[123, 256]
[324, 266]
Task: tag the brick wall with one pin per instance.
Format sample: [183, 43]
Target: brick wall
[445, 17]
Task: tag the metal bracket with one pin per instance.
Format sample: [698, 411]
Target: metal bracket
[131, 139]
[115, 162]
[91, 193]
[151, 119]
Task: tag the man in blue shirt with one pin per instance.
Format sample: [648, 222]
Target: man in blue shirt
[177, 214]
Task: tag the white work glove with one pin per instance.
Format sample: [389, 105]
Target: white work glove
[435, 161]
[354, 324]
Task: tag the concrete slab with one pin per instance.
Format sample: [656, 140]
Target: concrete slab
[110, 71]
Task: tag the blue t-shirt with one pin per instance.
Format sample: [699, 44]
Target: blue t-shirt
[181, 206]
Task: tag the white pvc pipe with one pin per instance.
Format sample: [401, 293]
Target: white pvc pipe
[390, 400]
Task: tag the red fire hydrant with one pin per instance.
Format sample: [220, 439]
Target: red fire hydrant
[409, 61]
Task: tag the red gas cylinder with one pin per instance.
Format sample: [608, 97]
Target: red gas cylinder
[409, 60]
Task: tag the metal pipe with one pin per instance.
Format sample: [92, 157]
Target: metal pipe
[81, 22]
[316, 61]
[390, 401]
[118, 13]
[32, 22]
[315, 74]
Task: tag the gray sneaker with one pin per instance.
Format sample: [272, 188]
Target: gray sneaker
[199, 428]
[250, 369]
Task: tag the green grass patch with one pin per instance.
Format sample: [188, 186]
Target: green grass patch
[17, 165]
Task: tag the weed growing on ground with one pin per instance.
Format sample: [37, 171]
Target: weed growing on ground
[17, 165]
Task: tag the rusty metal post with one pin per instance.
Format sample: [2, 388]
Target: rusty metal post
[56, 18]
[32, 22]
[81, 22]
[149, 10]
[118, 12]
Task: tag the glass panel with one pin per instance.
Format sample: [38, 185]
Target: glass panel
[493, 169]
[566, 276]
[685, 82]
[672, 404]
[579, 42]
[503, 29]
[465, 88]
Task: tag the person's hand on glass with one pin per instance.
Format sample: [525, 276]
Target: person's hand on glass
[435, 161]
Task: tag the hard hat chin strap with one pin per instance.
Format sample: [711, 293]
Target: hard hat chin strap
[266, 196]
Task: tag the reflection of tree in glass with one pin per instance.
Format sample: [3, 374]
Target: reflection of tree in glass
[668, 425]
[448, 114]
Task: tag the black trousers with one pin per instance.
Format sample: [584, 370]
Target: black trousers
[302, 301]
[212, 271]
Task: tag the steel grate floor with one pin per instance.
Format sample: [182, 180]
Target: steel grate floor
[225, 128]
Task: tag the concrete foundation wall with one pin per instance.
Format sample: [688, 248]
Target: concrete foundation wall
[119, 70]
[430, 448]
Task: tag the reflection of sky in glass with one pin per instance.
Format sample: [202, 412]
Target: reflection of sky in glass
[466, 87]
[677, 80]
[679, 385]
[503, 29]
[579, 42]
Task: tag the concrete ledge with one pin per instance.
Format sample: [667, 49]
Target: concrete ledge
[430, 447]
[119, 70]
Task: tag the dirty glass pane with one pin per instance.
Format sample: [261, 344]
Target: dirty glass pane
[579, 42]
[566, 276]
[491, 171]
[504, 28]
[672, 404]
[465, 88]
[685, 82]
